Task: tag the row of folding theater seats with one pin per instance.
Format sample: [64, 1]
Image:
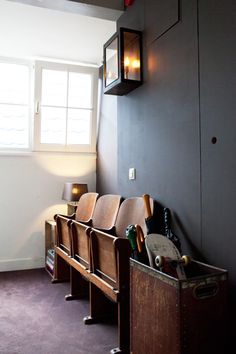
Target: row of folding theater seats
[100, 213]
[94, 246]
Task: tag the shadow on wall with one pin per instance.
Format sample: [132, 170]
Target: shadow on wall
[158, 226]
[195, 252]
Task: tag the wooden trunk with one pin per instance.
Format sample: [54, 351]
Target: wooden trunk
[169, 316]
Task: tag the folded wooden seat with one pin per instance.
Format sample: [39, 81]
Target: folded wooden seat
[109, 265]
[98, 255]
[103, 218]
[84, 212]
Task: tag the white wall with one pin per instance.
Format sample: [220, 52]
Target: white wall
[34, 31]
[30, 189]
[31, 184]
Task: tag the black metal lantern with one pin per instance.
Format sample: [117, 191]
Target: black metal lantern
[123, 62]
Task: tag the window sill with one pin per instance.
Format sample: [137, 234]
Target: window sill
[35, 153]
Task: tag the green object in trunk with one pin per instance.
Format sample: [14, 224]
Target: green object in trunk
[131, 234]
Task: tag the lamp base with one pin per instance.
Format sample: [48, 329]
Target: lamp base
[71, 208]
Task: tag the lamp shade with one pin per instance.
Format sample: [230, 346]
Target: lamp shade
[73, 191]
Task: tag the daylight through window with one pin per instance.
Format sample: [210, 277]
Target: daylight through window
[66, 99]
[58, 114]
[14, 105]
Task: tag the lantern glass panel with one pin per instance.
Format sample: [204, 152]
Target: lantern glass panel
[132, 57]
[111, 55]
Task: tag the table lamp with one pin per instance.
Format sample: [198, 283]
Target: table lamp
[72, 193]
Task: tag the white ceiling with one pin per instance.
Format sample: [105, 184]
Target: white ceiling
[105, 9]
[30, 31]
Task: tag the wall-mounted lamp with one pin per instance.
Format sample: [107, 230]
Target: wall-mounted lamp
[123, 62]
[72, 193]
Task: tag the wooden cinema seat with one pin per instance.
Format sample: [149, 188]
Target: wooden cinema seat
[84, 212]
[104, 217]
[110, 269]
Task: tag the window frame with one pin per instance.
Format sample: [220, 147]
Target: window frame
[93, 71]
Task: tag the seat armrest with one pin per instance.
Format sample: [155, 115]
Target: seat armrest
[72, 216]
[111, 231]
[86, 223]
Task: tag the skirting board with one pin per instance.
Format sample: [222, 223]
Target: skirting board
[7, 265]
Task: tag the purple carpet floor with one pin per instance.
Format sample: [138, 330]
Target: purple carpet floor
[35, 318]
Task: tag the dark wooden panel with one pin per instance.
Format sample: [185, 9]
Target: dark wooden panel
[153, 303]
[178, 317]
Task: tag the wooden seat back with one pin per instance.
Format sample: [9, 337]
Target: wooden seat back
[109, 261]
[105, 249]
[84, 212]
[104, 217]
[86, 206]
[110, 276]
[63, 238]
[132, 211]
[80, 243]
[105, 211]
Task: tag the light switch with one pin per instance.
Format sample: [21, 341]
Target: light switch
[132, 173]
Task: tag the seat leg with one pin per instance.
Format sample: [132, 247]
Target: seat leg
[100, 306]
[79, 287]
[123, 327]
[61, 270]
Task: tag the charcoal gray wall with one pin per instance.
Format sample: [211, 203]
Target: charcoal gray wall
[158, 124]
[165, 127]
[107, 144]
[217, 29]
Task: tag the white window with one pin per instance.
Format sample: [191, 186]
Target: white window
[65, 107]
[14, 105]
